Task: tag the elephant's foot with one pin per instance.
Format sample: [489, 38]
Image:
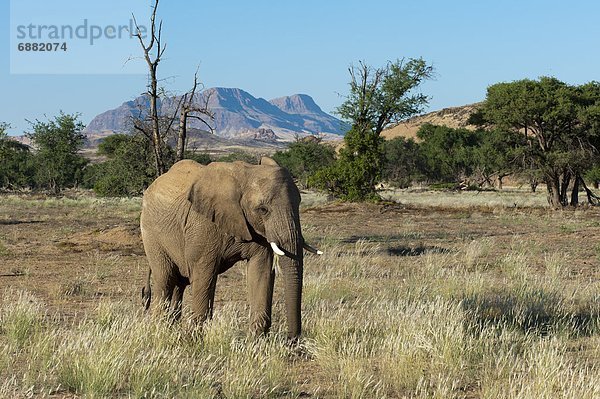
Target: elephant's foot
[260, 325]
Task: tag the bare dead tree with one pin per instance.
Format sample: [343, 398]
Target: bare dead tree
[153, 52]
[189, 110]
[157, 127]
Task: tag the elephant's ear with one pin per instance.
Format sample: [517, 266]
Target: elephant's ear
[268, 161]
[217, 196]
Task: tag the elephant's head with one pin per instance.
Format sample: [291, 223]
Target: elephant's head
[258, 203]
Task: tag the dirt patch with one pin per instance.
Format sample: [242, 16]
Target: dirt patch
[110, 239]
[122, 235]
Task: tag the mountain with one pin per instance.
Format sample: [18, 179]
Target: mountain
[454, 117]
[118, 119]
[298, 104]
[311, 116]
[237, 114]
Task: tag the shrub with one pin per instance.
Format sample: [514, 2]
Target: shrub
[202, 158]
[57, 161]
[239, 156]
[403, 162]
[346, 180]
[16, 167]
[304, 158]
[129, 169]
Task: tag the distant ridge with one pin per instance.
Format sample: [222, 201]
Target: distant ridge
[237, 114]
[298, 104]
[454, 117]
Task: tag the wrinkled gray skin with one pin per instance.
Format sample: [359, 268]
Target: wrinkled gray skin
[198, 221]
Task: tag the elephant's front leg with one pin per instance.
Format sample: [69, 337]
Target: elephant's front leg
[203, 287]
[261, 276]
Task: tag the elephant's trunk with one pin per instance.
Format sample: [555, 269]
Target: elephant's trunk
[292, 270]
[292, 266]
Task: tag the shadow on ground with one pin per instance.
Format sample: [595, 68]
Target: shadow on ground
[12, 222]
[416, 251]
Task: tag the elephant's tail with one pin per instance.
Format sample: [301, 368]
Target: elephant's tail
[147, 292]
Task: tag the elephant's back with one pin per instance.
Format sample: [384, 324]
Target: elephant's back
[165, 200]
[173, 184]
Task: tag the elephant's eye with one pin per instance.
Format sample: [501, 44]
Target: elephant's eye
[262, 210]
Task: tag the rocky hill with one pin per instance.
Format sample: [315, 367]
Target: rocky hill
[238, 114]
[454, 117]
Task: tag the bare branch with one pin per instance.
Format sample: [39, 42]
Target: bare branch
[187, 112]
[142, 130]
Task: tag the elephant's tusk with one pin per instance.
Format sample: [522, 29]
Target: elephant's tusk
[277, 250]
[313, 250]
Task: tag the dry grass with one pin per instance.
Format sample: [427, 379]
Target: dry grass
[396, 309]
[445, 329]
[515, 197]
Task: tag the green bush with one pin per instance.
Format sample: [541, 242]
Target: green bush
[129, 169]
[202, 158]
[403, 162]
[304, 158]
[450, 154]
[345, 179]
[357, 170]
[57, 161]
[239, 156]
[110, 184]
[16, 163]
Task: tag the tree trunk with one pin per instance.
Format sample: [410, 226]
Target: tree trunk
[564, 187]
[593, 199]
[156, 139]
[181, 139]
[575, 192]
[553, 186]
[500, 177]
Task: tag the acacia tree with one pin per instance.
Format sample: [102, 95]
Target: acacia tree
[378, 98]
[499, 154]
[449, 153]
[3, 129]
[560, 124]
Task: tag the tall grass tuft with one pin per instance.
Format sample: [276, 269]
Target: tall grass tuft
[543, 370]
[21, 317]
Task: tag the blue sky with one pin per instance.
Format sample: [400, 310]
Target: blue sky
[277, 48]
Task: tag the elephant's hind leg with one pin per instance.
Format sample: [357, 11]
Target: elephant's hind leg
[147, 291]
[164, 278]
[177, 300]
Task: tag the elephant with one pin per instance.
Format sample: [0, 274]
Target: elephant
[198, 221]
